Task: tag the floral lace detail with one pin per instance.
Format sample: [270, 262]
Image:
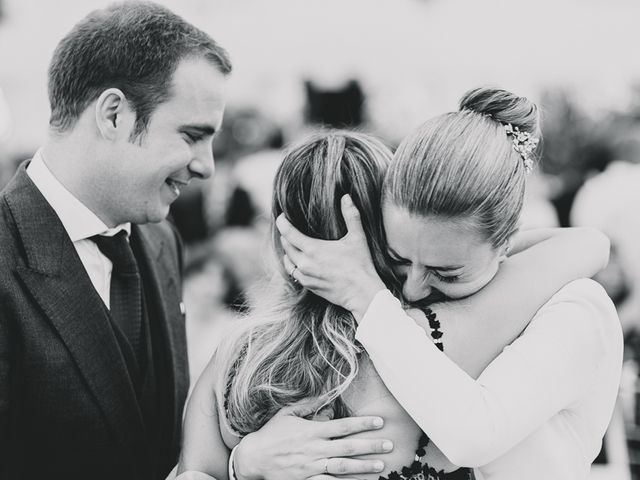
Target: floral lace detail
[227, 391]
[418, 470]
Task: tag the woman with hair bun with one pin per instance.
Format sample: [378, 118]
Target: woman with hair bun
[451, 200]
[294, 344]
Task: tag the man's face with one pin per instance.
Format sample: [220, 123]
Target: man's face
[176, 147]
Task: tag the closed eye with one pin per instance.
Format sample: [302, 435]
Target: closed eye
[197, 133]
[447, 279]
[192, 138]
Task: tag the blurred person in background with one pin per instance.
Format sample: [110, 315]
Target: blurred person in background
[93, 365]
[606, 201]
[452, 199]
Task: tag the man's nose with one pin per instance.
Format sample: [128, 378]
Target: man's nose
[202, 164]
[415, 286]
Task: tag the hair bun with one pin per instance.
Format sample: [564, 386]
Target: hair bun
[503, 106]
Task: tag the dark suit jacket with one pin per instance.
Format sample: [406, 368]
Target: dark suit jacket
[68, 408]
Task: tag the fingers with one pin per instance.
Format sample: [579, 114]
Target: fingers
[291, 234]
[357, 446]
[304, 407]
[295, 255]
[346, 466]
[298, 275]
[289, 266]
[349, 425]
[351, 215]
[329, 477]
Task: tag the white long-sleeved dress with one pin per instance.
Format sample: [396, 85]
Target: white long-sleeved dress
[538, 411]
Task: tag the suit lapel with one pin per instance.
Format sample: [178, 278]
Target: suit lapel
[60, 285]
[165, 295]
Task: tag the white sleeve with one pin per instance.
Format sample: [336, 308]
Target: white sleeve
[475, 421]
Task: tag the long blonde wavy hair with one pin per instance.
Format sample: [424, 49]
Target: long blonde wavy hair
[297, 344]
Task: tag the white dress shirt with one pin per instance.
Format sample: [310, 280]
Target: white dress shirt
[80, 223]
[538, 411]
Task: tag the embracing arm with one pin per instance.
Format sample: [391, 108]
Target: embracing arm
[203, 449]
[544, 371]
[287, 447]
[574, 241]
[477, 328]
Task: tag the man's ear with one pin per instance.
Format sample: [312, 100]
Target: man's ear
[113, 114]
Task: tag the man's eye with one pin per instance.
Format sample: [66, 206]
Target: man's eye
[192, 138]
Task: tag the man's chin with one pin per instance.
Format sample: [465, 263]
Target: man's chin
[155, 216]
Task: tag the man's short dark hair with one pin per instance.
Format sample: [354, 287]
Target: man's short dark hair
[133, 46]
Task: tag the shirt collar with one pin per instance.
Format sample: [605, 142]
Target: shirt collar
[79, 222]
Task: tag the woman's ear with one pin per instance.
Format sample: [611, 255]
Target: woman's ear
[503, 250]
[113, 114]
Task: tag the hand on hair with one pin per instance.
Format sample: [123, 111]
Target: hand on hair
[341, 271]
[289, 447]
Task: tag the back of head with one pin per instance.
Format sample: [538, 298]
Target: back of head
[304, 346]
[135, 46]
[469, 164]
[318, 171]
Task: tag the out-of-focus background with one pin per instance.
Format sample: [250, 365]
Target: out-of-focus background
[383, 66]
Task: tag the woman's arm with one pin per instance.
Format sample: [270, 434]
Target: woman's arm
[286, 447]
[477, 328]
[580, 237]
[203, 449]
[550, 367]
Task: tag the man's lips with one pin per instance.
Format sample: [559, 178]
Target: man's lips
[176, 184]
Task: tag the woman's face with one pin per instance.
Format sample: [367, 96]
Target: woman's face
[435, 254]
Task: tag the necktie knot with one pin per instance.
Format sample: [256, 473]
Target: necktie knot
[125, 296]
[118, 250]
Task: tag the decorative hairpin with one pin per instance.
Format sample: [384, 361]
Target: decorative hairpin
[524, 143]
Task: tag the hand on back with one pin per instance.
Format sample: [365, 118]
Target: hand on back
[289, 447]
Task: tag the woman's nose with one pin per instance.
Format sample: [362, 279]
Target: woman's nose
[415, 286]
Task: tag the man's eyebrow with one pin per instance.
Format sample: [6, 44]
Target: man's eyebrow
[448, 268]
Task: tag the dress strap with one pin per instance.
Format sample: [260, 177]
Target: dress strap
[227, 391]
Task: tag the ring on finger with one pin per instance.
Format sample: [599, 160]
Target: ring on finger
[293, 270]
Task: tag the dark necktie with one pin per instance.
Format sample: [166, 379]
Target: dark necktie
[126, 296]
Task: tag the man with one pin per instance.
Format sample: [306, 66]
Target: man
[93, 365]
[87, 391]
